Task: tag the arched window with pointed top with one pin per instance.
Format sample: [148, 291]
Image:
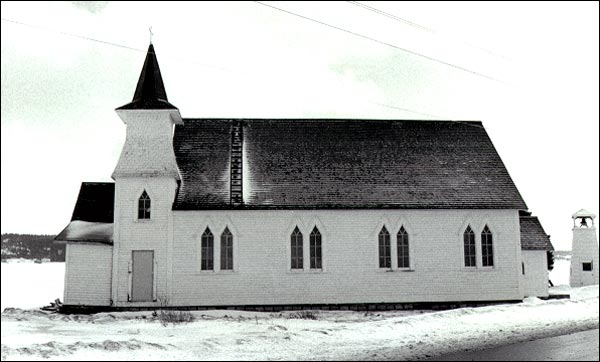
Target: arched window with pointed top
[316, 261]
[487, 250]
[469, 243]
[226, 250]
[207, 250]
[144, 206]
[403, 251]
[385, 260]
[296, 248]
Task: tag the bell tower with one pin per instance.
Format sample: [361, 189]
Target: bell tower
[148, 149]
[584, 258]
[146, 180]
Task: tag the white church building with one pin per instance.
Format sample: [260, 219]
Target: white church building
[299, 213]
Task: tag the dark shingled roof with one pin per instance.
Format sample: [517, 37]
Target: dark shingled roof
[150, 92]
[533, 236]
[95, 202]
[334, 163]
[92, 219]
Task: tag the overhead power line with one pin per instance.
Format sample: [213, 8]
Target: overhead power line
[74, 35]
[424, 28]
[392, 16]
[384, 43]
[38, 27]
[224, 69]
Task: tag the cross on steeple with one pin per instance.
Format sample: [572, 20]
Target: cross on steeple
[151, 33]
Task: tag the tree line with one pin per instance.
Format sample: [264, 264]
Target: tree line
[29, 246]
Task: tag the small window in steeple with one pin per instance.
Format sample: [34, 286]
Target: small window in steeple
[144, 206]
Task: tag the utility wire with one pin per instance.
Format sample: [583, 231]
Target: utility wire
[406, 110]
[74, 35]
[187, 60]
[433, 116]
[114, 44]
[424, 28]
[384, 43]
[392, 16]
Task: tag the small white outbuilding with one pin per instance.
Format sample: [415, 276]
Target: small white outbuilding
[584, 258]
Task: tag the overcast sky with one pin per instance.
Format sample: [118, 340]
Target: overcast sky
[528, 71]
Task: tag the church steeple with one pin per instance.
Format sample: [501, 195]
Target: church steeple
[150, 118]
[150, 91]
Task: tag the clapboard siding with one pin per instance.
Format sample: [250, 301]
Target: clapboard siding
[88, 274]
[536, 273]
[351, 274]
[585, 249]
[133, 234]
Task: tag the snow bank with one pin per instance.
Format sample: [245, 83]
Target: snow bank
[238, 335]
[234, 335]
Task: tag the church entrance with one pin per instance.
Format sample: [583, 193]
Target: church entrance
[142, 279]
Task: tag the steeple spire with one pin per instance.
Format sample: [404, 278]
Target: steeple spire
[150, 91]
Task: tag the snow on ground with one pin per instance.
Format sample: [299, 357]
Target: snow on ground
[235, 335]
[559, 275]
[26, 284]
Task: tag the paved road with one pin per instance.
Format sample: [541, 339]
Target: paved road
[581, 346]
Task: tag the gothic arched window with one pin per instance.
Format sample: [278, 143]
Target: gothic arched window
[226, 250]
[487, 250]
[207, 246]
[316, 261]
[144, 206]
[385, 260]
[403, 253]
[469, 242]
[296, 245]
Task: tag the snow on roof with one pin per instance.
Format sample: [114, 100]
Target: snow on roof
[92, 219]
[87, 231]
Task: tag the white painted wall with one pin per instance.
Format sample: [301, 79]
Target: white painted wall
[147, 162]
[262, 272]
[148, 148]
[88, 274]
[535, 279]
[585, 249]
[133, 234]
[351, 273]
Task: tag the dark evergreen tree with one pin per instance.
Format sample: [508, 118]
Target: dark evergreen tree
[550, 258]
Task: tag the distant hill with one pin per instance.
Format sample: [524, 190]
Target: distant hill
[29, 246]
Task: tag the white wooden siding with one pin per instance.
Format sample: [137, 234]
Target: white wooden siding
[585, 249]
[535, 280]
[352, 275]
[88, 274]
[133, 234]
